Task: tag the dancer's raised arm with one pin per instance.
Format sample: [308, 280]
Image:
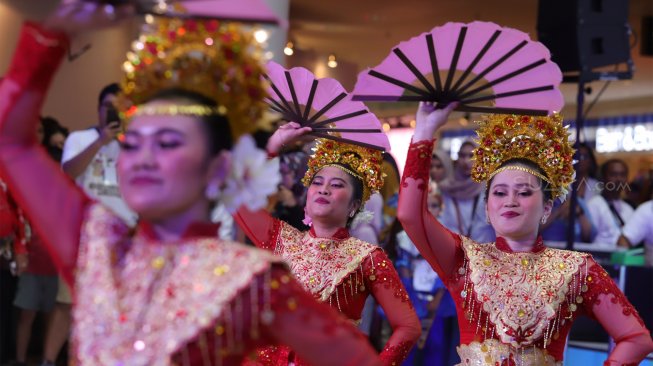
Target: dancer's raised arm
[54, 205]
[259, 226]
[439, 246]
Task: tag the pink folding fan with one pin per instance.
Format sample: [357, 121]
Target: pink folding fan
[323, 105]
[484, 67]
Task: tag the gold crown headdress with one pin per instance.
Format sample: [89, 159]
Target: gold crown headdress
[217, 60]
[542, 140]
[363, 163]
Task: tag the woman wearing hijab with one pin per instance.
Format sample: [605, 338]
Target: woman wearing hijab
[463, 199]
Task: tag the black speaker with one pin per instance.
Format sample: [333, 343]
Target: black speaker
[584, 34]
[646, 39]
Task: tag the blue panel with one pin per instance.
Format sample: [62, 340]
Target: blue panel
[581, 356]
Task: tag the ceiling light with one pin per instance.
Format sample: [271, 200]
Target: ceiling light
[332, 63]
[290, 49]
[261, 35]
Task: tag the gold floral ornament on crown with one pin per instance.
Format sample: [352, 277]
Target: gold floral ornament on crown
[218, 60]
[542, 140]
[361, 162]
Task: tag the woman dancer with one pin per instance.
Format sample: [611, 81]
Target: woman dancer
[332, 265]
[516, 299]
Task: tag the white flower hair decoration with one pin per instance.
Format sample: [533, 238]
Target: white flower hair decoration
[252, 178]
[362, 217]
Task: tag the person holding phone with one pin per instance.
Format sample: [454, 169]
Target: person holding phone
[89, 156]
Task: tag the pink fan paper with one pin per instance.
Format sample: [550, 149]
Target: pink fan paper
[323, 105]
[483, 66]
[247, 11]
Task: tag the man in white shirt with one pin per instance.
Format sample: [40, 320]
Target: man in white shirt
[90, 156]
[640, 228]
[608, 211]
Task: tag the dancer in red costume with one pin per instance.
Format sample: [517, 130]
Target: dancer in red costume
[335, 267]
[516, 299]
[169, 292]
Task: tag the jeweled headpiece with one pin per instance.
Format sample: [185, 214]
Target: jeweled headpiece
[215, 59]
[542, 140]
[361, 162]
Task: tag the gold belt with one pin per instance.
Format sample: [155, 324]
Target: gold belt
[492, 352]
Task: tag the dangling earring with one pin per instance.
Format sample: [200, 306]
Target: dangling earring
[487, 219]
[544, 220]
[352, 214]
[212, 192]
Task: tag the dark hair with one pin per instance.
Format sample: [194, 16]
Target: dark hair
[389, 239]
[51, 127]
[606, 165]
[590, 152]
[467, 142]
[391, 160]
[112, 88]
[216, 126]
[357, 185]
[546, 187]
